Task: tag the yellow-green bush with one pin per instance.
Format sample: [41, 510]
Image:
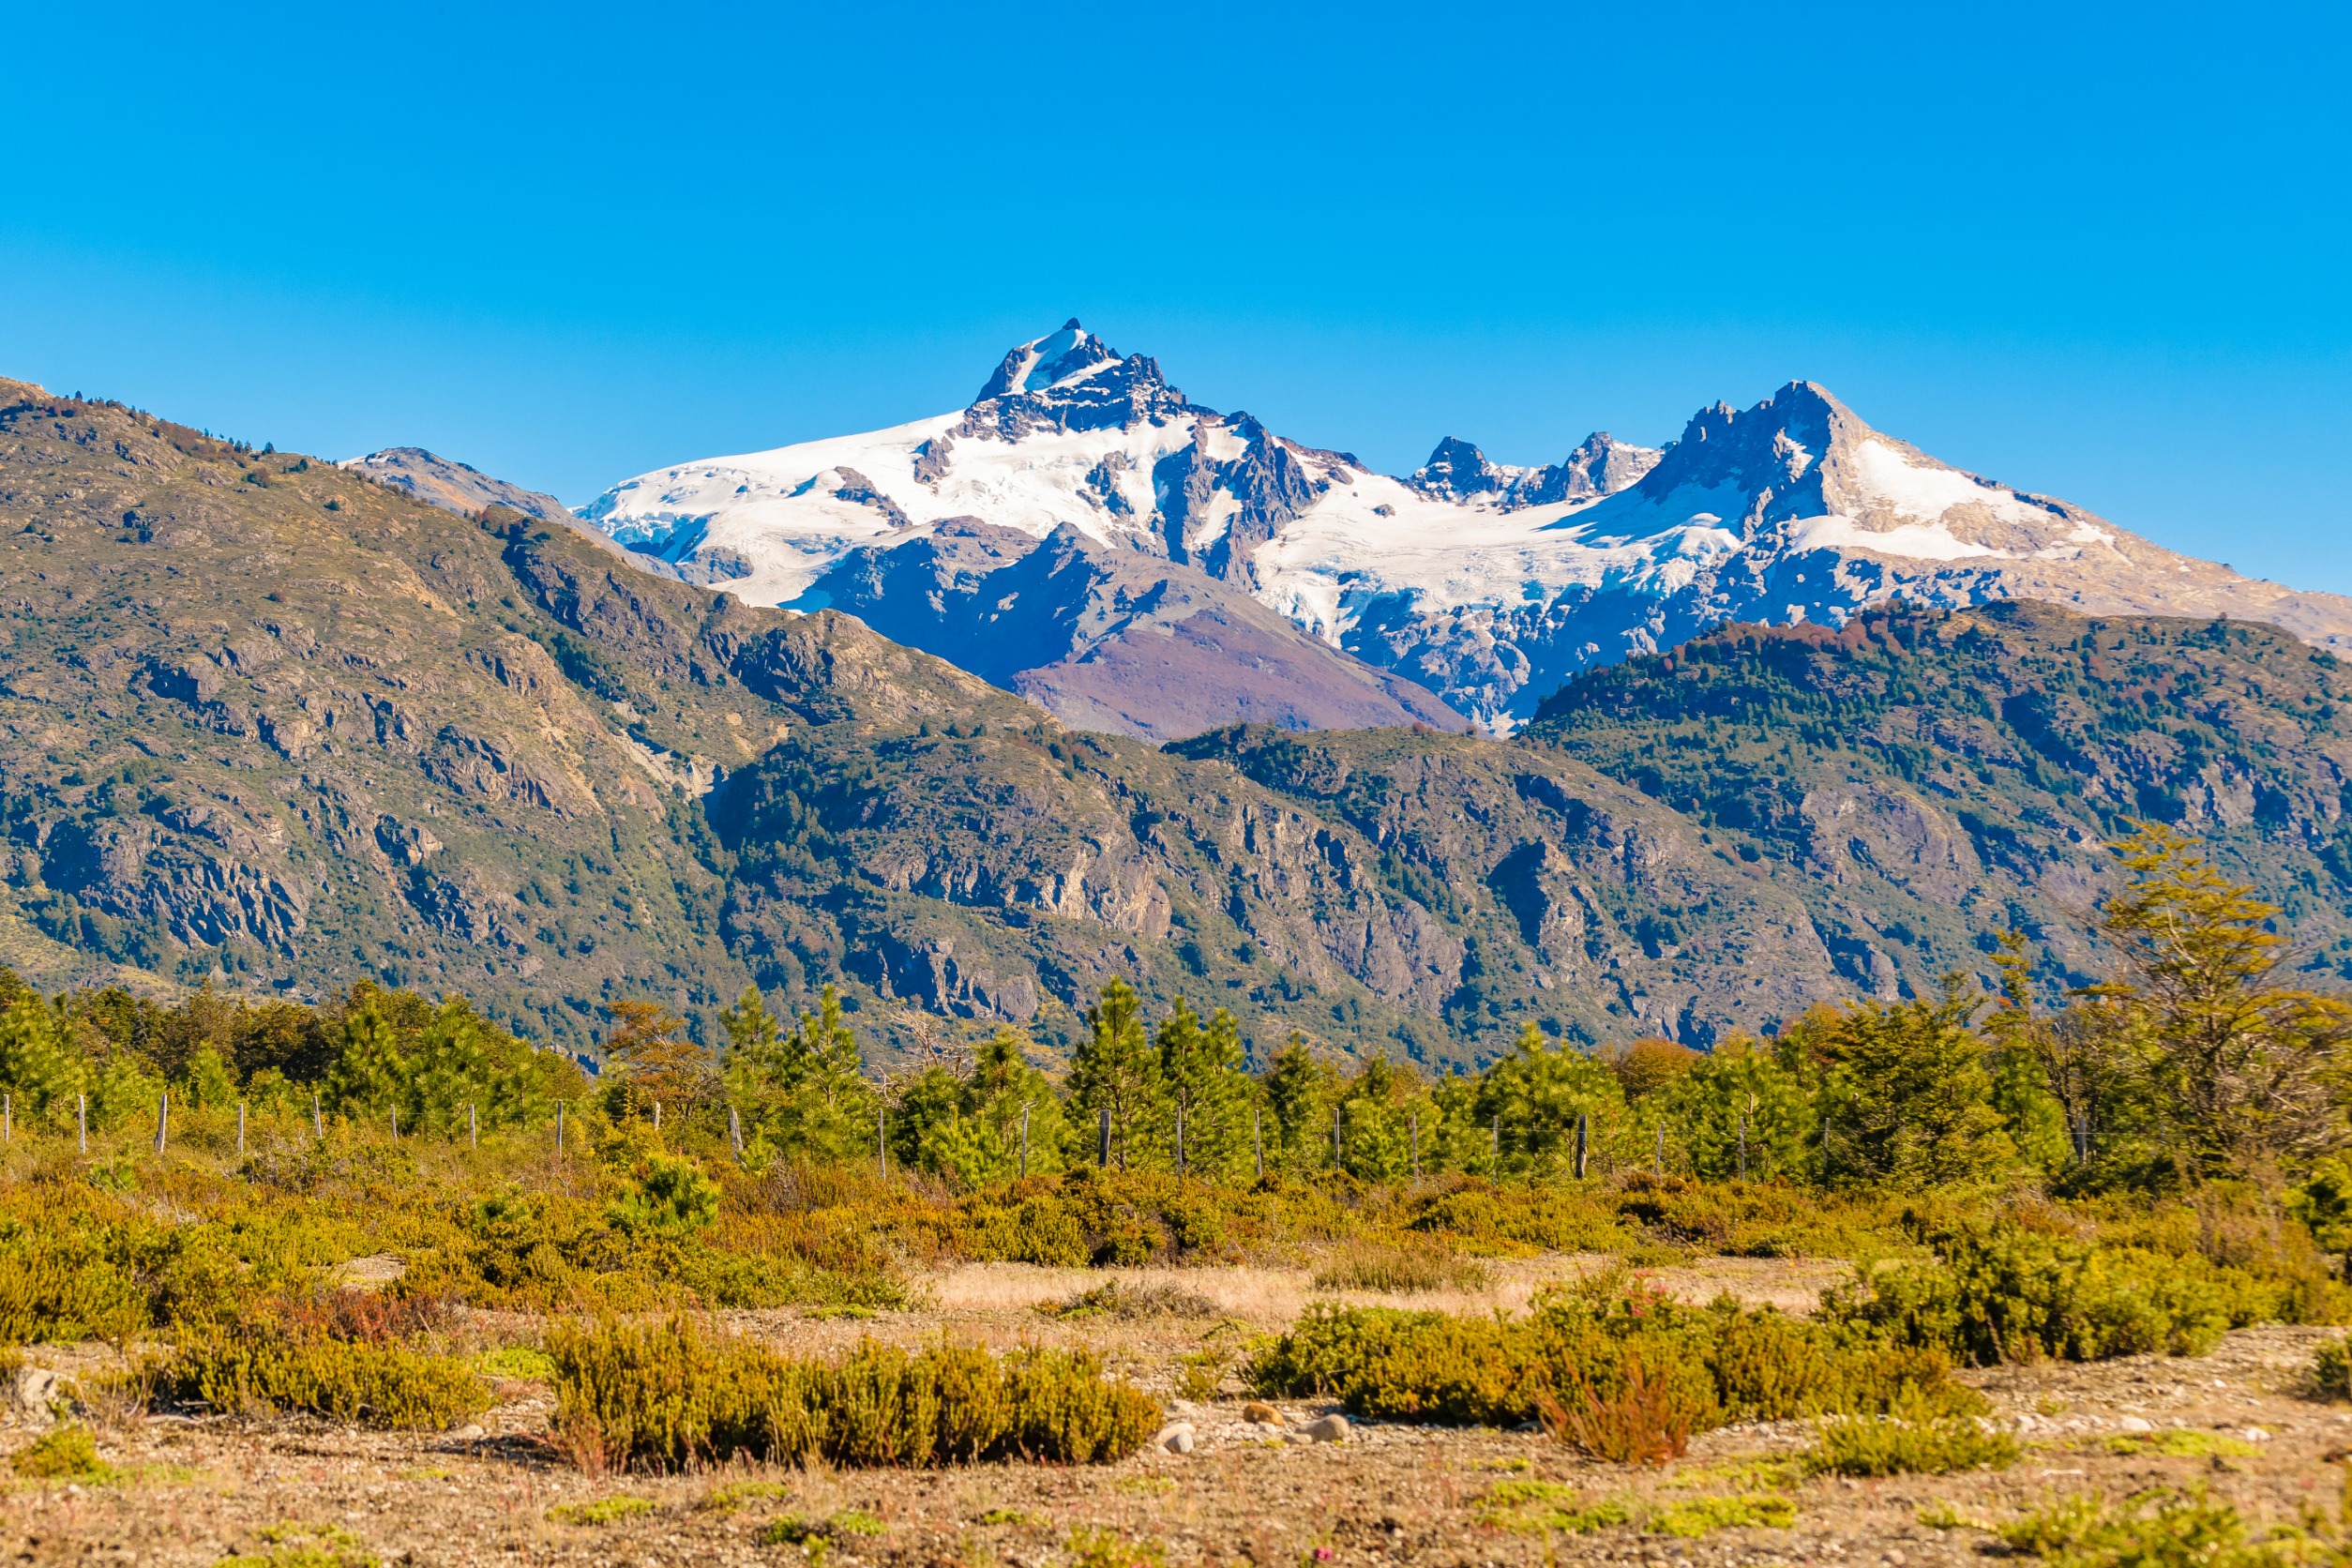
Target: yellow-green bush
[1911, 1440]
[664, 1396]
[2007, 1292]
[258, 1368]
[1583, 1349]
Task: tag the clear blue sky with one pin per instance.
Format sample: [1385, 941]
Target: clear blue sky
[2095, 251]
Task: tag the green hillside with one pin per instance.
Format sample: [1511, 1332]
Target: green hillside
[266, 723]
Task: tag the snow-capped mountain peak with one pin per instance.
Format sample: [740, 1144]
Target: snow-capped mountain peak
[1601, 465]
[1045, 363]
[1488, 583]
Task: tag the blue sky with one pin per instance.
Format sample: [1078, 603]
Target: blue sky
[2094, 251]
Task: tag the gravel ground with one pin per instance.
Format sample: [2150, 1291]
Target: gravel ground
[196, 1490]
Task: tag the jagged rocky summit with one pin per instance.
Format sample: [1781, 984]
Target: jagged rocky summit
[1485, 584]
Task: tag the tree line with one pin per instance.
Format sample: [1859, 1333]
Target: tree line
[2200, 1058]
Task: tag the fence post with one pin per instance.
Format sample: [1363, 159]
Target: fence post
[1659, 1165]
[82, 1120]
[1498, 1143]
[735, 1132]
[657, 1116]
[1102, 1141]
[318, 1119]
[394, 1113]
[240, 1129]
[163, 1118]
[1580, 1145]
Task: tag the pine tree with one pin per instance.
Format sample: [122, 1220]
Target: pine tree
[1299, 1093]
[1534, 1096]
[1117, 1070]
[803, 1093]
[1201, 1069]
[1907, 1094]
[1739, 1095]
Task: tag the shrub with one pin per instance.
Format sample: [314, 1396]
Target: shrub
[670, 1198]
[1581, 1350]
[1644, 1418]
[1913, 1442]
[270, 1367]
[2151, 1529]
[1695, 1516]
[294, 1546]
[2006, 1293]
[2332, 1369]
[1396, 1270]
[64, 1453]
[664, 1396]
[1125, 1302]
[1548, 1505]
[603, 1511]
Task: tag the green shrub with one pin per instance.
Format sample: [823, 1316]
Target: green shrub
[2180, 1442]
[2152, 1530]
[1548, 1505]
[1914, 1440]
[1695, 1516]
[64, 1454]
[518, 1363]
[263, 1368]
[791, 1531]
[1597, 1356]
[665, 1397]
[603, 1511]
[2004, 1293]
[294, 1545]
[670, 1196]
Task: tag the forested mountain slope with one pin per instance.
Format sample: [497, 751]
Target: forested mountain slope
[261, 718]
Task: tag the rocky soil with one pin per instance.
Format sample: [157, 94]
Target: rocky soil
[194, 1489]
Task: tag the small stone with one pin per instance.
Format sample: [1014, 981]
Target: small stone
[1263, 1414]
[1179, 1442]
[1330, 1428]
[36, 1393]
[470, 1432]
[2136, 1424]
[2255, 1434]
[1895, 1560]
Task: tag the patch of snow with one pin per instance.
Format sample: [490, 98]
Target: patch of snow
[1885, 475]
[1920, 541]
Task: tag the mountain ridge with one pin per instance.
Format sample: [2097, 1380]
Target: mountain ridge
[1486, 584]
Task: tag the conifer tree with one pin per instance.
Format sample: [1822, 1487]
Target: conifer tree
[1117, 1070]
[1201, 1069]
